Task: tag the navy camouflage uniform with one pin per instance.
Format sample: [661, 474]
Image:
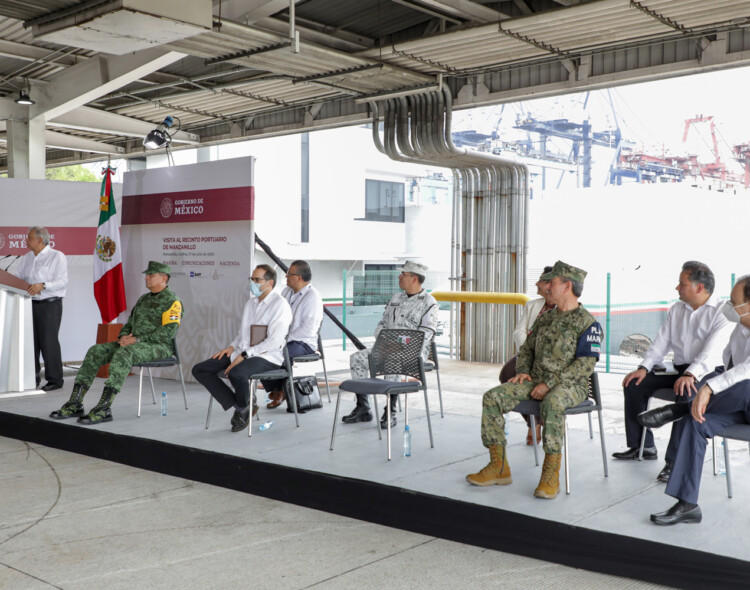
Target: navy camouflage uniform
[153, 321]
[561, 351]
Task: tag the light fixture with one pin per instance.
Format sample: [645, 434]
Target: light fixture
[159, 137]
[23, 98]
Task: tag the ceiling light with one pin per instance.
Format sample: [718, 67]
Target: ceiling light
[159, 137]
[23, 98]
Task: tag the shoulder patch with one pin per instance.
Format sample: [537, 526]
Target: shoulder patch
[590, 342]
[173, 314]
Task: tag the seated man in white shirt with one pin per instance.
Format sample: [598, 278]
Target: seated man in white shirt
[307, 315]
[696, 331]
[241, 358]
[723, 400]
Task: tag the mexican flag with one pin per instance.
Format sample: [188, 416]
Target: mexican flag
[109, 289]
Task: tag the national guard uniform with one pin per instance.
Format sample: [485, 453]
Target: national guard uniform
[153, 322]
[413, 312]
[561, 352]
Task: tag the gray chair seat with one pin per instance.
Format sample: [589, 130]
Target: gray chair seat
[172, 361]
[371, 386]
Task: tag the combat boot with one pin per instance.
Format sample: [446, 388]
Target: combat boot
[549, 484]
[102, 411]
[496, 472]
[73, 408]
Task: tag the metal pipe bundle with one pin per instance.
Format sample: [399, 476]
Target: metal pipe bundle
[489, 230]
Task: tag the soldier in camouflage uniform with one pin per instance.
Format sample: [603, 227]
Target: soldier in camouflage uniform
[147, 336]
[553, 367]
[412, 308]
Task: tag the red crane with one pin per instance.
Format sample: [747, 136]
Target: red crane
[716, 169]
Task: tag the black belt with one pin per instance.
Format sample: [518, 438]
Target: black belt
[48, 300]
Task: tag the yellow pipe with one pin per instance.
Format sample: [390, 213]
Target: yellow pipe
[480, 297]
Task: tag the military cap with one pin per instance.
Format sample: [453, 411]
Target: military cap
[562, 269]
[415, 267]
[154, 267]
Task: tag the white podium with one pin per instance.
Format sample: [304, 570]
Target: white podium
[16, 336]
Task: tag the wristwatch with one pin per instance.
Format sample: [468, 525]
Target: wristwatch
[243, 354]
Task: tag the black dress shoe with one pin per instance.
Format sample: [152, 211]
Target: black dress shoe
[677, 514]
[663, 415]
[649, 454]
[384, 419]
[665, 473]
[50, 387]
[358, 414]
[240, 419]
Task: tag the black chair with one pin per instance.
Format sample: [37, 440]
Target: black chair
[666, 394]
[396, 352]
[733, 432]
[284, 373]
[432, 364]
[159, 364]
[592, 404]
[314, 357]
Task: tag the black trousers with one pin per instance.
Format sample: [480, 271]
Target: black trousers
[46, 316]
[295, 349]
[209, 374]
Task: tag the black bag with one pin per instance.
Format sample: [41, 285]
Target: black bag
[307, 394]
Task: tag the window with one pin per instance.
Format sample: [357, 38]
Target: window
[384, 201]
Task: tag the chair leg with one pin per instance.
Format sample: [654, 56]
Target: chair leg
[325, 374]
[643, 442]
[377, 422]
[388, 423]
[399, 404]
[208, 414]
[140, 389]
[713, 456]
[604, 447]
[153, 394]
[726, 462]
[565, 450]
[182, 382]
[591, 428]
[533, 437]
[440, 393]
[429, 422]
[335, 417]
[253, 388]
[293, 397]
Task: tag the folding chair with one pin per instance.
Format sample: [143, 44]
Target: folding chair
[158, 364]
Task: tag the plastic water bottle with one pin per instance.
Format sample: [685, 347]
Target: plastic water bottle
[265, 426]
[507, 430]
[407, 441]
[721, 466]
[163, 403]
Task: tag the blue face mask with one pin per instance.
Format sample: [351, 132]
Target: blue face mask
[254, 289]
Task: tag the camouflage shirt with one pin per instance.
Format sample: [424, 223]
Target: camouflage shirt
[418, 312]
[562, 348]
[155, 318]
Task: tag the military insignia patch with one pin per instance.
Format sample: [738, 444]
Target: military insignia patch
[172, 315]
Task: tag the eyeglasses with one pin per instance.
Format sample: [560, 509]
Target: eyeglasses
[257, 280]
[292, 274]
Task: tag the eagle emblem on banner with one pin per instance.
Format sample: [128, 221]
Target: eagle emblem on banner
[105, 248]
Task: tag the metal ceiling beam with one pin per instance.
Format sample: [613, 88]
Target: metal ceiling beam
[62, 141]
[464, 9]
[25, 52]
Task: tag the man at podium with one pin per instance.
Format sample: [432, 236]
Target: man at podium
[46, 271]
[147, 336]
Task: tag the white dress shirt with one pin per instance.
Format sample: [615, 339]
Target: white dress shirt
[307, 312]
[273, 312]
[696, 336]
[528, 317]
[49, 267]
[738, 350]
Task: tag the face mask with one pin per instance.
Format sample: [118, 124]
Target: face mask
[731, 314]
[255, 290]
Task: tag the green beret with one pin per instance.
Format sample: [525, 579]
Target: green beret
[154, 267]
[562, 269]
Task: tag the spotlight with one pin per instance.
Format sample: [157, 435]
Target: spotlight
[159, 137]
[23, 98]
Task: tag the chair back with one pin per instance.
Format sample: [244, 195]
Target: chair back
[593, 389]
[174, 346]
[433, 356]
[398, 352]
[320, 344]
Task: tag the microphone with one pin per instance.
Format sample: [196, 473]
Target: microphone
[11, 262]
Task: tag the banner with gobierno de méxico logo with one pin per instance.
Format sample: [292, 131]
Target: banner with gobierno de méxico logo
[198, 219]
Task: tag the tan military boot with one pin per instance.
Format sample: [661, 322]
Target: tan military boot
[549, 484]
[497, 472]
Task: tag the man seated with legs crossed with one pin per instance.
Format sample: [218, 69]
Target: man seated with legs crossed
[147, 336]
[412, 308]
[723, 400]
[553, 366]
[307, 315]
[266, 311]
[696, 331]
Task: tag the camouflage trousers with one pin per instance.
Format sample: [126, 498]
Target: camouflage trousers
[503, 398]
[120, 359]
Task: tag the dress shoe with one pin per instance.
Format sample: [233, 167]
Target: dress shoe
[676, 514]
[277, 398]
[50, 387]
[359, 414]
[663, 415]
[240, 419]
[665, 473]
[384, 419]
[649, 454]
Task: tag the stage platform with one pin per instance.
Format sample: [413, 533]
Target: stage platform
[603, 525]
